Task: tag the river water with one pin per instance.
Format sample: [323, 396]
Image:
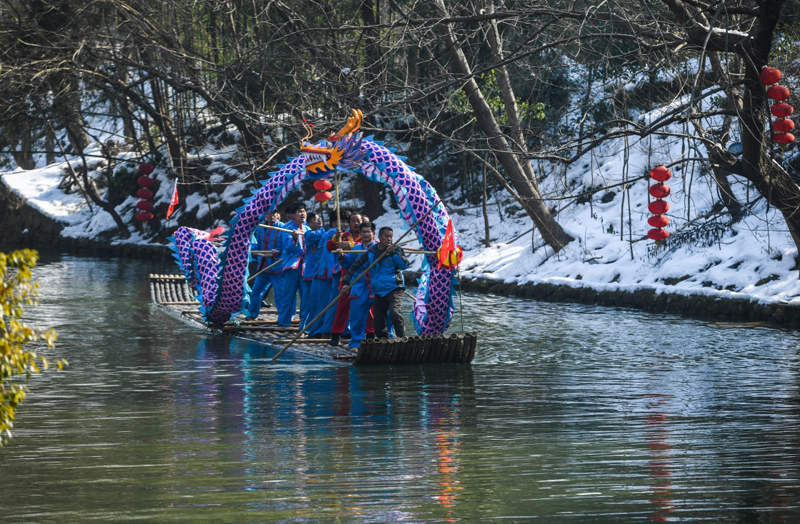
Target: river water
[569, 413]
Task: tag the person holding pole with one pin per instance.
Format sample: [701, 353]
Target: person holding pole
[325, 286]
[386, 281]
[312, 238]
[266, 240]
[344, 240]
[293, 247]
[361, 296]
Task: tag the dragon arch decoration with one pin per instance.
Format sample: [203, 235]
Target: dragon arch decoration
[220, 278]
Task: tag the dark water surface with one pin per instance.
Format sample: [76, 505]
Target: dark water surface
[568, 414]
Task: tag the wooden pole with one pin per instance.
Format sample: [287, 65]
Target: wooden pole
[348, 287]
[266, 268]
[336, 179]
[409, 250]
[276, 228]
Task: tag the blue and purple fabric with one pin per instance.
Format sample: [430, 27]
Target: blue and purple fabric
[265, 240]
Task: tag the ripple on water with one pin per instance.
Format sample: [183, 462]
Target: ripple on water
[569, 413]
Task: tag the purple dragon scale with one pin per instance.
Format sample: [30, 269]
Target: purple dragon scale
[221, 279]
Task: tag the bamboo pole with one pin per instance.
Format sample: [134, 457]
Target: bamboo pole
[276, 228]
[409, 250]
[348, 287]
[266, 268]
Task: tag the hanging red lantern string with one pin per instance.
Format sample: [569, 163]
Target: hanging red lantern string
[771, 76]
[145, 205]
[658, 207]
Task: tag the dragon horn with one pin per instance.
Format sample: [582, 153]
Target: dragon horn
[353, 124]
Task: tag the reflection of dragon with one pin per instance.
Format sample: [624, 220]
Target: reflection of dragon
[221, 279]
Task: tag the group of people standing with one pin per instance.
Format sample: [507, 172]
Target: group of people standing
[321, 264]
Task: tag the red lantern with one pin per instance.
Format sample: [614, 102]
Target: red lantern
[144, 205]
[778, 93]
[144, 216]
[660, 173]
[658, 207]
[783, 125]
[144, 194]
[323, 196]
[783, 138]
[658, 234]
[322, 185]
[782, 110]
[658, 221]
[145, 181]
[659, 190]
[146, 168]
[770, 75]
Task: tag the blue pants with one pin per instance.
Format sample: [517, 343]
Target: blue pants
[260, 287]
[287, 307]
[321, 297]
[306, 303]
[359, 313]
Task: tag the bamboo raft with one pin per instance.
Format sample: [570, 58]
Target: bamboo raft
[170, 294]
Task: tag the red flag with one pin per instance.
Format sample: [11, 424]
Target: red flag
[173, 201]
[448, 245]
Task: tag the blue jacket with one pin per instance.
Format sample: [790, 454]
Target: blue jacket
[294, 250]
[313, 250]
[327, 262]
[386, 275]
[264, 240]
[362, 287]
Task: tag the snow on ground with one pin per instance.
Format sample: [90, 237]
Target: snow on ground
[751, 260]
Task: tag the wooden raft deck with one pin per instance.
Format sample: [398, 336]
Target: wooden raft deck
[171, 294]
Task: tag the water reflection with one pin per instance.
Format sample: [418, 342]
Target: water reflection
[569, 414]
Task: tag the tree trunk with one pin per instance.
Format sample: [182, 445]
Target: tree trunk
[162, 119]
[552, 232]
[73, 116]
[733, 206]
[50, 145]
[24, 156]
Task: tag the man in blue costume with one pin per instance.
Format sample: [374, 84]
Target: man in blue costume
[360, 294]
[267, 240]
[312, 238]
[293, 248]
[325, 287]
[385, 280]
